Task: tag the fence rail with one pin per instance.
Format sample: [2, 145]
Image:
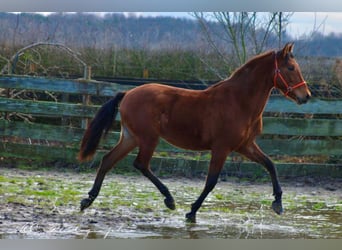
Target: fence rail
[282, 136]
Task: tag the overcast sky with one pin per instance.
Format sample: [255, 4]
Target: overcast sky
[325, 22]
[300, 23]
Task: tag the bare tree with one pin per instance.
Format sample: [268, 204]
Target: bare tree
[235, 36]
[283, 21]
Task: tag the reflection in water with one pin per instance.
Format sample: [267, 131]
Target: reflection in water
[259, 223]
[311, 224]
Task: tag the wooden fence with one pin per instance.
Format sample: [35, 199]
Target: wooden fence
[311, 131]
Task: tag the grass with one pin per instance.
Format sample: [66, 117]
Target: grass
[38, 191]
[60, 192]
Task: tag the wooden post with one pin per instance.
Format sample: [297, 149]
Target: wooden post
[145, 73]
[65, 99]
[7, 96]
[87, 74]
[86, 99]
[9, 68]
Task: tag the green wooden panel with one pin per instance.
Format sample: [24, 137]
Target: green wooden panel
[45, 153]
[53, 109]
[282, 147]
[73, 136]
[279, 104]
[300, 147]
[62, 85]
[43, 132]
[70, 138]
[302, 127]
[173, 166]
[53, 133]
[37, 152]
[253, 170]
[272, 126]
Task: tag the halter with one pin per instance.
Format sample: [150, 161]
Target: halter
[288, 87]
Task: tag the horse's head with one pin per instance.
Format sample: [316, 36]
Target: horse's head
[288, 77]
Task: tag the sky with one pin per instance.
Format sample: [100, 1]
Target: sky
[325, 22]
[301, 23]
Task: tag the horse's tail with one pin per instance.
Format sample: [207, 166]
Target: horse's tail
[102, 122]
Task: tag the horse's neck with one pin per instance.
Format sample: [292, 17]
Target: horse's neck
[253, 88]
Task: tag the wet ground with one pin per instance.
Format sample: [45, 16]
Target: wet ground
[39, 205]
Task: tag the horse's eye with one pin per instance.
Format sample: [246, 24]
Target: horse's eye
[291, 67]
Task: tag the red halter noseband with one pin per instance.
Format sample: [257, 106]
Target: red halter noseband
[288, 87]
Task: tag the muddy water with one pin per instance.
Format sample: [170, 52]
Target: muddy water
[42, 205]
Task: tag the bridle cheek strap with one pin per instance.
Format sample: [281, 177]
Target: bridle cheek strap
[288, 87]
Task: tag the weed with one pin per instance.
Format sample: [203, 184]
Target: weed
[29, 182]
[338, 207]
[14, 199]
[163, 154]
[318, 206]
[266, 202]
[219, 196]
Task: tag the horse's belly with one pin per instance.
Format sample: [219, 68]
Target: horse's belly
[185, 136]
[186, 142]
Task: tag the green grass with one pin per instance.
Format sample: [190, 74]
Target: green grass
[318, 206]
[58, 192]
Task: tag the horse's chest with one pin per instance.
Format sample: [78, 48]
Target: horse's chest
[242, 133]
[250, 131]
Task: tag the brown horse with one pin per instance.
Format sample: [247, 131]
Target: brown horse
[223, 118]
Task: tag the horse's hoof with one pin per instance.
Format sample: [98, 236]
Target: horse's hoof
[190, 217]
[85, 203]
[170, 203]
[277, 207]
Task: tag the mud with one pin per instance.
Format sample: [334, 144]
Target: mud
[45, 205]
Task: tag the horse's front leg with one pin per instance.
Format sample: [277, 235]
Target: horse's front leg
[216, 164]
[254, 153]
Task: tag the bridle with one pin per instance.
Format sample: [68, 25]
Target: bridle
[278, 74]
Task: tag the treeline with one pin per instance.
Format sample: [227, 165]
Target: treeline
[91, 31]
[113, 45]
[177, 64]
[116, 45]
[84, 30]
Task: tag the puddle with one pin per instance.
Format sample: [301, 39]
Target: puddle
[131, 208]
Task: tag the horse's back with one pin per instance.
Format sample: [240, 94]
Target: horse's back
[154, 96]
[175, 114]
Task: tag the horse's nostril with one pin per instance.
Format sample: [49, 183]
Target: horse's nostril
[302, 101]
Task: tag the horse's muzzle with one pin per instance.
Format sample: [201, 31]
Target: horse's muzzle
[303, 100]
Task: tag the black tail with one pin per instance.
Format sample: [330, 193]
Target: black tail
[102, 122]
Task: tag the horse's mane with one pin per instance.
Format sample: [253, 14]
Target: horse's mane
[242, 69]
[250, 63]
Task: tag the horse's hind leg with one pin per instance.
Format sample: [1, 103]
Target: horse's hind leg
[126, 144]
[142, 163]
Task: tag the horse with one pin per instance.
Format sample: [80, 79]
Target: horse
[222, 118]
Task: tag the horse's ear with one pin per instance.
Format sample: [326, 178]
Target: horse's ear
[291, 45]
[288, 48]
